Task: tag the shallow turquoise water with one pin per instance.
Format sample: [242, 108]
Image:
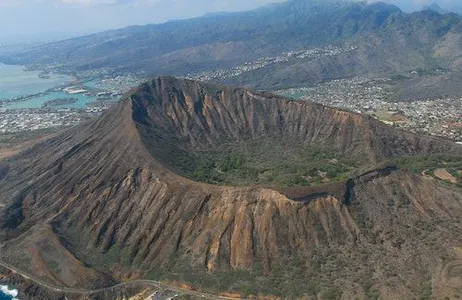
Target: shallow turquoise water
[91, 84]
[15, 82]
[37, 102]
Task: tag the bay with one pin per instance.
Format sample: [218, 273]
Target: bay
[39, 101]
[16, 82]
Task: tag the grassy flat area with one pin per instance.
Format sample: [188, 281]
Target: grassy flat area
[265, 162]
[13, 143]
[445, 168]
[283, 164]
[8, 140]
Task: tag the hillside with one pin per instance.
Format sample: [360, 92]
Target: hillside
[108, 201]
[444, 10]
[424, 42]
[215, 40]
[385, 41]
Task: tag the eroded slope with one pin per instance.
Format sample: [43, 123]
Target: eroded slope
[102, 202]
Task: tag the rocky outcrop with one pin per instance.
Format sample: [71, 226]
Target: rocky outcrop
[202, 116]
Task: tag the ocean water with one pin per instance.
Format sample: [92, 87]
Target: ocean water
[38, 101]
[8, 294]
[16, 82]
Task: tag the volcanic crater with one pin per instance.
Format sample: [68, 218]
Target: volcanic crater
[229, 189]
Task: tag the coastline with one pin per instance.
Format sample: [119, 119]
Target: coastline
[6, 291]
[50, 93]
[31, 83]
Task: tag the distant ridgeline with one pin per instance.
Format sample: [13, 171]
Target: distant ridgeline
[386, 42]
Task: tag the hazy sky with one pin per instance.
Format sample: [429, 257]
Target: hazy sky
[31, 19]
[28, 20]
[410, 5]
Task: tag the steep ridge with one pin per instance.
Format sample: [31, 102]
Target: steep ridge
[102, 202]
[210, 115]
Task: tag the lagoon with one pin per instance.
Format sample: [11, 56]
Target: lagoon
[38, 101]
[15, 81]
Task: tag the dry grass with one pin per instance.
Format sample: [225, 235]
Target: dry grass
[13, 144]
[443, 174]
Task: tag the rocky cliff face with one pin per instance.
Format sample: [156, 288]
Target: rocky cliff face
[101, 203]
[195, 116]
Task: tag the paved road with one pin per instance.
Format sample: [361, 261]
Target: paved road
[152, 283]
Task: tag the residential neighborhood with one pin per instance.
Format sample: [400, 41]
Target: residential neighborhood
[441, 117]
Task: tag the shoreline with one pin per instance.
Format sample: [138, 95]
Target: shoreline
[7, 291]
[89, 92]
[71, 79]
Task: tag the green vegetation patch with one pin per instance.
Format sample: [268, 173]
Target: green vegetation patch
[430, 162]
[264, 162]
[293, 279]
[427, 164]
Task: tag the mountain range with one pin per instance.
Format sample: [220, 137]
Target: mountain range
[113, 200]
[386, 42]
[443, 10]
